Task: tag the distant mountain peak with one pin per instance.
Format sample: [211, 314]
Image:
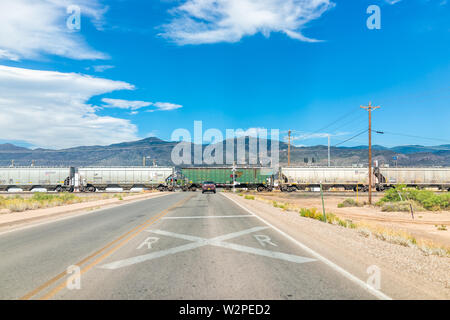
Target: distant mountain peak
[11, 147]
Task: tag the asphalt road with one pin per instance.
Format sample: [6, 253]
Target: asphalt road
[180, 246]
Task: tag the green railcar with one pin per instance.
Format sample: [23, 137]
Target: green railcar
[258, 178]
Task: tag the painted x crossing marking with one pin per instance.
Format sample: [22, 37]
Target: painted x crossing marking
[201, 242]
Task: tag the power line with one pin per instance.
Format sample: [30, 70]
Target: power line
[306, 136]
[357, 118]
[355, 136]
[329, 125]
[411, 136]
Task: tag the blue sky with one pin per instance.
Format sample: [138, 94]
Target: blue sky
[246, 74]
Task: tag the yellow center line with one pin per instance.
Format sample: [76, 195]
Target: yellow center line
[125, 238]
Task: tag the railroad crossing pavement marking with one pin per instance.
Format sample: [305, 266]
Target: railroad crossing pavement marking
[334, 266]
[201, 242]
[263, 239]
[148, 242]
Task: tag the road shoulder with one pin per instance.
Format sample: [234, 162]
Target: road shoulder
[406, 273]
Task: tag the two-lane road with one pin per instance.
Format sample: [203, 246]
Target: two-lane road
[179, 246]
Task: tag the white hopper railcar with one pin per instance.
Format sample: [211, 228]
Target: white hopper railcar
[100, 178]
[29, 178]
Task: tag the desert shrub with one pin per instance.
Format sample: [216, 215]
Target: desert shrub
[38, 201]
[350, 203]
[38, 196]
[249, 197]
[331, 218]
[16, 205]
[401, 206]
[312, 213]
[393, 194]
[422, 198]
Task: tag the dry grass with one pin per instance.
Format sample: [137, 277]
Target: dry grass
[350, 203]
[404, 238]
[43, 200]
[401, 206]
[395, 236]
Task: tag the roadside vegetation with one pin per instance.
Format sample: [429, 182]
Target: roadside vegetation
[399, 198]
[331, 218]
[395, 236]
[351, 203]
[44, 200]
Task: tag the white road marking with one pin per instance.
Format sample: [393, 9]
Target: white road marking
[200, 242]
[263, 239]
[265, 253]
[148, 242]
[331, 264]
[150, 256]
[209, 217]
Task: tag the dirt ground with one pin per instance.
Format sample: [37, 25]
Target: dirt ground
[424, 225]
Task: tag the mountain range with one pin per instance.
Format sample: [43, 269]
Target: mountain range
[159, 151]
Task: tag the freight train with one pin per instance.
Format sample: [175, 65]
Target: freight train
[354, 178]
[287, 179]
[127, 178]
[257, 178]
[28, 178]
[86, 179]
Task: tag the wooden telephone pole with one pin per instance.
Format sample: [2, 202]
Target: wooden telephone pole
[289, 148]
[370, 108]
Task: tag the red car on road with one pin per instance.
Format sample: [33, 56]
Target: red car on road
[208, 186]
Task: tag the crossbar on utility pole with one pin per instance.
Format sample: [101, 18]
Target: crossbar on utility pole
[369, 108]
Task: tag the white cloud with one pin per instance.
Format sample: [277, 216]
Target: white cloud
[125, 104]
[392, 1]
[30, 28]
[102, 68]
[135, 105]
[212, 21]
[54, 111]
[166, 106]
[6, 55]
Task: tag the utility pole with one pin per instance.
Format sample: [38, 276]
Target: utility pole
[370, 108]
[289, 148]
[329, 158]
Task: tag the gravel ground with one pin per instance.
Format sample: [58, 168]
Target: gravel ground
[406, 272]
[423, 226]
